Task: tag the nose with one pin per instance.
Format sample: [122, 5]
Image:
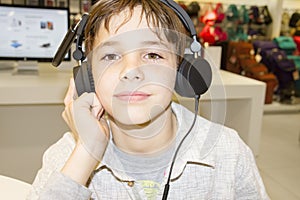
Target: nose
[131, 69]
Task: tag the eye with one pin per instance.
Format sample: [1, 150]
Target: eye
[153, 56]
[111, 57]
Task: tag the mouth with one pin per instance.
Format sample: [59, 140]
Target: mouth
[132, 97]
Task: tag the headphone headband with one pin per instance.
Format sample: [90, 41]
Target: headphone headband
[187, 22]
[184, 17]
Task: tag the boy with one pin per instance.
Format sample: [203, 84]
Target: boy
[124, 135]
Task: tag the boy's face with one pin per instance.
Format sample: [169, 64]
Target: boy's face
[134, 70]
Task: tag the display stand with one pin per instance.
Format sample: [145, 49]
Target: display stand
[26, 68]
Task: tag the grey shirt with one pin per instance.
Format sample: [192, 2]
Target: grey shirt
[213, 163]
[150, 167]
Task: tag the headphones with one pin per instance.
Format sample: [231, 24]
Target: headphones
[194, 73]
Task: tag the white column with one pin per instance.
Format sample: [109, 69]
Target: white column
[276, 9]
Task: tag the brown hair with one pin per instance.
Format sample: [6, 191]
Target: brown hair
[155, 11]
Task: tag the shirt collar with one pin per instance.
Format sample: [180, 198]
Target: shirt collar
[197, 147]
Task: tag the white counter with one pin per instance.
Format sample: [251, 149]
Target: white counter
[49, 87]
[31, 106]
[13, 189]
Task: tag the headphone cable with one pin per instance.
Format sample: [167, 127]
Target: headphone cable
[167, 186]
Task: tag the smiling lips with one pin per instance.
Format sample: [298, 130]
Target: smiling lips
[132, 96]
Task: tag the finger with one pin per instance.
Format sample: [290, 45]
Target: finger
[68, 118]
[85, 100]
[97, 108]
[105, 127]
[84, 104]
[89, 102]
[70, 93]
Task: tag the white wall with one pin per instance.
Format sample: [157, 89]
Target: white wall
[291, 4]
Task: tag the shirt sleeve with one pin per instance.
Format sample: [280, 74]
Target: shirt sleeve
[61, 187]
[249, 184]
[49, 182]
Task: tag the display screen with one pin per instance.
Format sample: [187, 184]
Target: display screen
[32, 33]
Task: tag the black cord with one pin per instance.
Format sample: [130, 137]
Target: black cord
[167, 186]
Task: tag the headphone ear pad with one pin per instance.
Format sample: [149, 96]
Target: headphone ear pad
[83, 78]
[194, 76]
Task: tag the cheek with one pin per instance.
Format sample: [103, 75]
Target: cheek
[105, 84]
[163, 76]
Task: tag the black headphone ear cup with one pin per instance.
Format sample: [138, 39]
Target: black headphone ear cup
[83, 78]
[194, 76]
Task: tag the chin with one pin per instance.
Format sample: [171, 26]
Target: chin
[138, 123]
[137, 115]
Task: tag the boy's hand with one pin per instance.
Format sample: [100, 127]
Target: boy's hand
[84, 117]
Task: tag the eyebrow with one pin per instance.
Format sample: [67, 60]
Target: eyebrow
[154, 43]
[143, 43]
[109, 43]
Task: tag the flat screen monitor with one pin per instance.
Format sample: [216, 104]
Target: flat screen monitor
[32, 33]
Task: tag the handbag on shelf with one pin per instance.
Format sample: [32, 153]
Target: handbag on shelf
[236, 50]
[271, 83]
[261, 45]
[297, 41]
[253, 13]
[241, 33]
[260, 15]
[266, 15]
[193, 9]
[243, 15]
[219, 12]
[232, 13]
[220, 35]
[207, 35]
[210, 16]
[284, 69]
[280, 62]
[294, 20]
[296, 60]
[258, 71]
[211, 34]
[247, 62]
[286, 44]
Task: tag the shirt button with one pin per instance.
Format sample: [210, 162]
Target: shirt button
[130, 183]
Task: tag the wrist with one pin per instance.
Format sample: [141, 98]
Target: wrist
[80, 165]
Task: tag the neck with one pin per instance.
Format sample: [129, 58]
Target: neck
[149, 138]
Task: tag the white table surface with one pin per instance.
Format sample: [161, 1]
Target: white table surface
[13, 189]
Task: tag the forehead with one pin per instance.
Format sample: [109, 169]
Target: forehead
[128, 20]
[128, 28]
